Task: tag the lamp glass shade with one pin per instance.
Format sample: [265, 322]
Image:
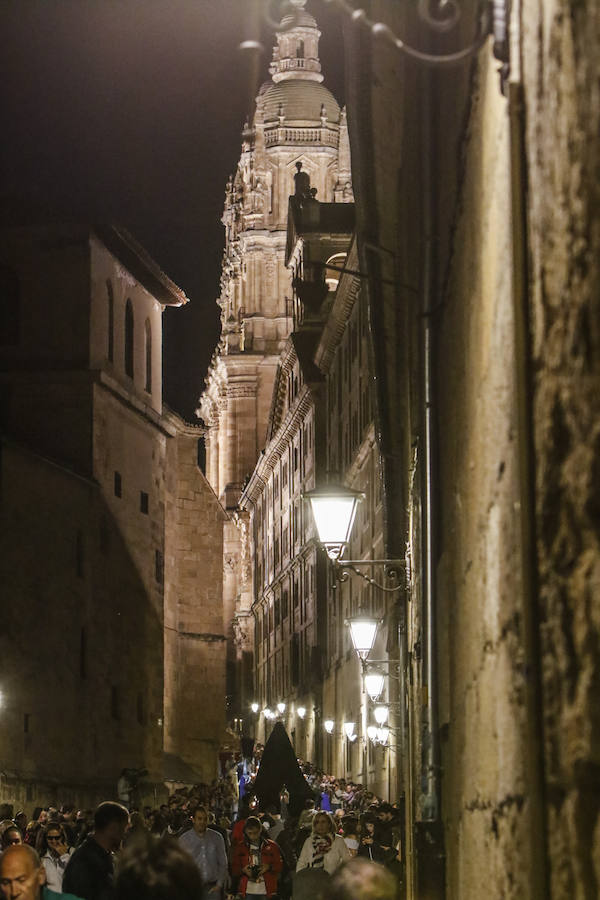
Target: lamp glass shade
[383, 735]
[381, 714]
[363, 629]
[301, 711]
[281, 707]
[267, 713]
[254, 707]
[372, 733]
[334, 509]
[328, 725]
[374, 682]
[349, 728]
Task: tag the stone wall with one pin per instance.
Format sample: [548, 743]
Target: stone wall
[488, 801]
[561, 47]
[81, 648]
[195, 647]
[511, 238]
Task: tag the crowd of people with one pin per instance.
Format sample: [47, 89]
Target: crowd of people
[209, 842]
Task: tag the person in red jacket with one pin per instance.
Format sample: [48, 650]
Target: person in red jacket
[256, 861]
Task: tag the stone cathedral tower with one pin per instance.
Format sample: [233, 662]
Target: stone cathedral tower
[297, 121]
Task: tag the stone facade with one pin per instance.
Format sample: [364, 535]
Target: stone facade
[106, 523]
[297, 126]
[352, 456]
[485, 216]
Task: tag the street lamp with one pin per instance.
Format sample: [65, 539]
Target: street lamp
[381, 715]
[334, 509]
[301, 711]
[254, 707]
[363, 629]
[281, 708]
[383, 734]
[374, 682]
[328, 725]
[349, 729]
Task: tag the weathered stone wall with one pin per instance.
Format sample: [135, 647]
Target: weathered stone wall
[486, 796]
[195, 647]
[81, 648]
[495, 601]
[561, 48]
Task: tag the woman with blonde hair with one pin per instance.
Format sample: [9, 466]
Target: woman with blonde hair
[323, 848]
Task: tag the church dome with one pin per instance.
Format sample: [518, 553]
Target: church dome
[299, 101]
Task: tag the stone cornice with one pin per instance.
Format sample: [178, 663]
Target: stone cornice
[130, 401]
[277, 446]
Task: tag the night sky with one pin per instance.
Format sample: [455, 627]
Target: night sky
[130, 111]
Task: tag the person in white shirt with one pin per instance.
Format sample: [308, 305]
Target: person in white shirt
[56, 855]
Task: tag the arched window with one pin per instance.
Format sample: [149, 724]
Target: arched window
[110, 325]
[300, 50]
[10, 307]
[148, 349]
[129, 339]
[332, 276]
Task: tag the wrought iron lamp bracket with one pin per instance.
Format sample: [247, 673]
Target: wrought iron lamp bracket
[343, 567]
[438, 15]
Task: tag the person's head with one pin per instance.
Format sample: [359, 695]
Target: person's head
[349, 826]
[157, 869]
[385, 812]
[43, 816]
[110, 824]
[21, 873]
[136, 822]
[361, 879]
[368, 823]
[21, 821]
[11, 836]
[54, 838]
[253, 829]
[200, 819]
[322, 824]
